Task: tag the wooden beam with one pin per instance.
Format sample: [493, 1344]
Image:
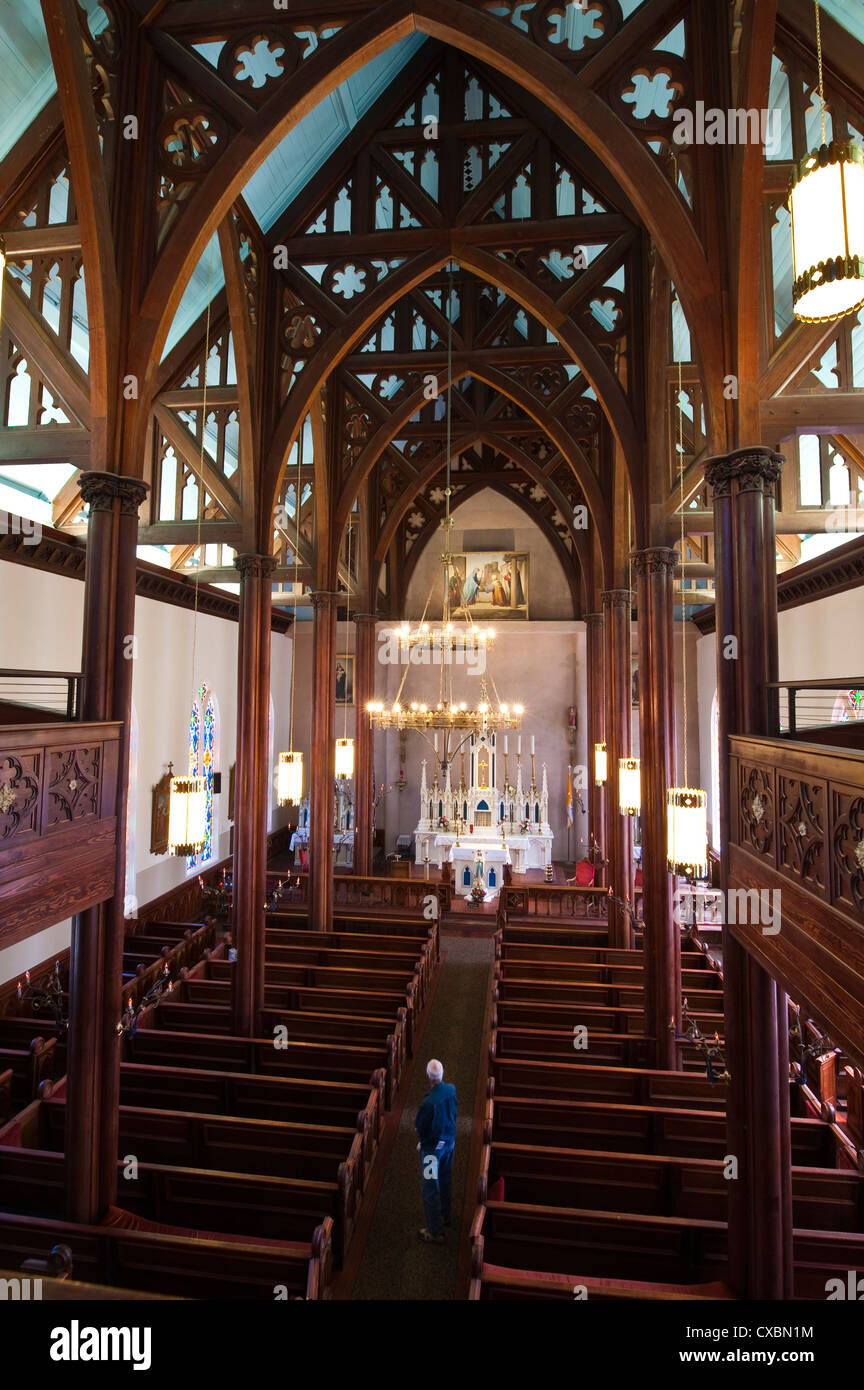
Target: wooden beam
[817, 413]
[192, 397]
[68, 383]
[63, 20]
[792, 354]
[186, 532]
[42, 241]
[52, 444]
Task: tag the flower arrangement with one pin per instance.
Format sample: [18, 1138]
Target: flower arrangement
[443, 823]
[477, 894]
[524, 827]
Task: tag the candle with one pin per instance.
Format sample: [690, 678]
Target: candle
[436, 741]
[19, 989]
[519, 745]
[532, 745]
[505, 745]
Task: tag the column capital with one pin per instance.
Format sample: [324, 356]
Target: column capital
[617, 598]
[364, 619]
[756, 469]
[255, 566]
[322, 599]
[659, 559]
[102, 492]
[593, 619]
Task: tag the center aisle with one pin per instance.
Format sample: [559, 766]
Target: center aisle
[395, 1263]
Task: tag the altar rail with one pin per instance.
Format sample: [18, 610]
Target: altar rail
[797, 829]
[58, 822]
[556, 900]
[356, 890]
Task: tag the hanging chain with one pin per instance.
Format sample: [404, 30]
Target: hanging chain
[821, 74]
[297, 487]
[201, 503]
[683, 553]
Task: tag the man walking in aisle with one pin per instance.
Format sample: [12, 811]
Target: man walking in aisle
[436, 1126]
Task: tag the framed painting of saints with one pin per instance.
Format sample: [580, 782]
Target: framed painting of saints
[345, 680]
[490, 586]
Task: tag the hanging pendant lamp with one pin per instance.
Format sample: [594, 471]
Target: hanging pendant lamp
[686, 807]
[601, 765]
[629, 786]
[186, 816]
[826, 203]
[289, 770]
[289, 779]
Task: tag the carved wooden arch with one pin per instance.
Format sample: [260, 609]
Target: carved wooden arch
[502, 48]
[431, 470]
[539, 412]
[610, 394]
[574, 574]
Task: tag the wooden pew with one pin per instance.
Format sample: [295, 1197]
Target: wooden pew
[657, 1185]
[223, 1203]
[551, 991]
[695, 983]
[514, 1010]
[646, 1129]
[6, 1080]
[29, 1068]
[208, 1051]
[548, 1044]
[492, 1284]
[513, 1076]
[365, 923]
[198, 1266]
[559, 1240]
[295, 1100]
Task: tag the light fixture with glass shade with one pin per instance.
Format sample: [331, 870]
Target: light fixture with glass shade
[826, 203]
[687, 832]
[289, 771]
[289, 779]
[601, 765]
[629, 786]
[686, 807]
[345, 757]
[186, 816]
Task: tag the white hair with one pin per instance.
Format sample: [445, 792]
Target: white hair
[434, 1070]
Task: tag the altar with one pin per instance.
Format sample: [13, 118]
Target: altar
[507, 824]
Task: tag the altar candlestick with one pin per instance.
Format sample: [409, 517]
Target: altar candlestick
[532, 745]
[505, 745]
[519, 745]
[436, 741]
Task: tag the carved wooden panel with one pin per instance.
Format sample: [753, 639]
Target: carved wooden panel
[847, 848]
[756, 804]
[801, 825]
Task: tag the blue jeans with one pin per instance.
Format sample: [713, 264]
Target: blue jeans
[436, 1162]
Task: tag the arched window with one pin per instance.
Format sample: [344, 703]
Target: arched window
[715, 772]
[848, 707]
[202, 763]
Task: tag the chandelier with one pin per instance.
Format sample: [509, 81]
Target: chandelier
[446, 645]
[826, 203]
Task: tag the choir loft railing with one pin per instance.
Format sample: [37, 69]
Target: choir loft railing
[45, 692]
[819, 705]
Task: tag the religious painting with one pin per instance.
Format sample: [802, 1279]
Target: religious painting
[490, 586]
[159, 815]
[344, 680]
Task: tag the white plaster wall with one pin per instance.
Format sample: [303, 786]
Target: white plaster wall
[14, 960]
[41, 622]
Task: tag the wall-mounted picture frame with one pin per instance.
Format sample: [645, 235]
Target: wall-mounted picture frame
[344, 680]
[491, 585]
[159, 815]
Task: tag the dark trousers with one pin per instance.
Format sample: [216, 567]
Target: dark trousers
[437, 1170]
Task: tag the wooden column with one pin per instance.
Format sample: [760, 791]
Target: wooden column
[617, 608]
[251, 787]
[322, 770]
[594, 675]
[757, 1044]
[96, 958]
[364, 745]
[655, 571]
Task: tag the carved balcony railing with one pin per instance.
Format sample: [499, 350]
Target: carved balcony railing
[58, 822]
[797, 830]
[823, 711]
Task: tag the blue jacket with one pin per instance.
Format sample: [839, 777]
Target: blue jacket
[436, 1118]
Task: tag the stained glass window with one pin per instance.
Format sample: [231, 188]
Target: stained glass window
[202, 742]
[849, 707]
